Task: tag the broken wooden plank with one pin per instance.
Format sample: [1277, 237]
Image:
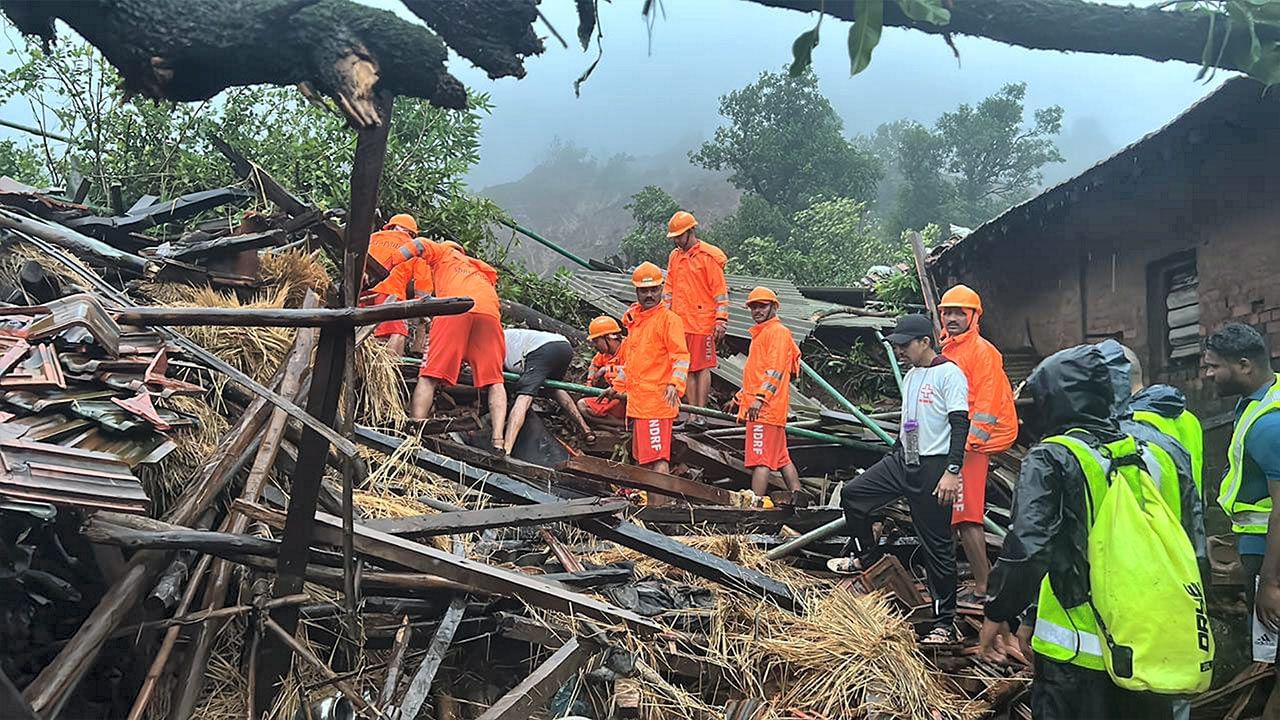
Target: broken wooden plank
[396, 663]
[738, 520]
[293, 317]
[629, 535]
[406, 553]
[520, 702]
[420, 686]
[218, 544]
[634, 476]
[454, 523]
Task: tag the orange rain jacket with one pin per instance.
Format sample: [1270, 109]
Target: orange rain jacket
[386, 243]
[396, 284]
[455, 274]
[696, 288]
[993, 420]
[604, 368]
[771, 362]
[652, 356]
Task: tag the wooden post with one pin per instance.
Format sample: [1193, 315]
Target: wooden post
[546, 679]
[333, 366]
[420, 687]
[926, 285]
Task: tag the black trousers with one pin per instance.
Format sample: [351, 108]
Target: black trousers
[1069, 692]
[885, 482]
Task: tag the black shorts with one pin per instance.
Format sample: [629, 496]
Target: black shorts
[548, 362]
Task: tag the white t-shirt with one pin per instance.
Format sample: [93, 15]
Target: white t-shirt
[928, 394]
[521, 342]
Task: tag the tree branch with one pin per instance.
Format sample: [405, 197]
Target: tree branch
[1065, 25]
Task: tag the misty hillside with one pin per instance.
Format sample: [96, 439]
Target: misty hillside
[578, 201]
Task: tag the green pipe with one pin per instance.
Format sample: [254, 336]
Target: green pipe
[844, 402]
[893, 360]
[535, 236]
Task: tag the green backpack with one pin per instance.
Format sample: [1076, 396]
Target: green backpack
[1145, 586]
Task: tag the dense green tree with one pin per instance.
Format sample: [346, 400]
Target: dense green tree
[651, 208]
[831, 242]
[785, 144]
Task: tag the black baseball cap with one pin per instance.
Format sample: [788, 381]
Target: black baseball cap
[909, 328]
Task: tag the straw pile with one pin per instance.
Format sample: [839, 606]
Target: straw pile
[297, 270]
[848, 656]
[255, 351]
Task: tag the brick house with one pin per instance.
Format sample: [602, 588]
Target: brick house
[1156, 246]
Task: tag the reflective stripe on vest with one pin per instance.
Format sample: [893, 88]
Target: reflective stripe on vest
[1186, 430]
[1070, 635]
[1249, 518]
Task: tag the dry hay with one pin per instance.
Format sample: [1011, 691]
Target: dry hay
[381, 393]
[13, 255]
[166, 480]
[848, 656]
[255, 351]
[297, 270]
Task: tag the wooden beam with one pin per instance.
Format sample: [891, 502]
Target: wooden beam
[532, 693]
[218, 544]
[453, 523]
[293, 317]
[629, 535]
[635, 476]
[420, 686]
[416, 556]
[926, 284]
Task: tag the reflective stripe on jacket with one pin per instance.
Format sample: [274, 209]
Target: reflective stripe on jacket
[771, 363]
[653, 356]
[993, 420]
[455, 274]
[1187, 431]
[1248, 518]
[384, 244]
[696, 289]
[396, 284]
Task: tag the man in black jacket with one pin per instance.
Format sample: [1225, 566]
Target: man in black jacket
[1071, 389]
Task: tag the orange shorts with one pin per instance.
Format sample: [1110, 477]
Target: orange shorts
[971, 503]
[766, 445]
[702, 351]
[476, 338]
[390, 327]
[606, 407]
[650, 440]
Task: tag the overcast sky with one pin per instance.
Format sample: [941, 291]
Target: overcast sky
[653, 93]
[643, 101]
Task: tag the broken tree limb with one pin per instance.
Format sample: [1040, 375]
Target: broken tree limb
[406, 553]
[629, 535]
[218, 544]
[465, 521]
[293, 317]
[396, 663]
[532, 692]
[420, 686]
[525, 315]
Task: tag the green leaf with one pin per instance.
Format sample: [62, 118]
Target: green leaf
[868, 22]
[1206, 58]
[802, 51]
[930, 11]
[1241, 13]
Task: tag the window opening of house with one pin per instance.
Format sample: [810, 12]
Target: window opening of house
[1182, 310]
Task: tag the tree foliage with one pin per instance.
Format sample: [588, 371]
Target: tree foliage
[651, 208]
[831, 242]
[976, 160]
[786, 144]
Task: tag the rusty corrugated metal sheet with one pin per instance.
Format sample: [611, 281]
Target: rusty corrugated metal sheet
[49, 473]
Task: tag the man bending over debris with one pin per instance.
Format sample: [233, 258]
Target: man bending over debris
[993, 421]
[697, 292]
[475, 336]
[766, 393]
[538, 356]
[605, 335]
[383, 245]
[654, 370]
[924, 468]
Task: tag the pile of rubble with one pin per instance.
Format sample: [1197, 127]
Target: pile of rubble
[154, 566]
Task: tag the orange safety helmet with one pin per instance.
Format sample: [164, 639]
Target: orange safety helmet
[762, 295]
[647, 275]
[455, 245]
[403, 220]
[601, 326]
[680, 223]
[962, 296]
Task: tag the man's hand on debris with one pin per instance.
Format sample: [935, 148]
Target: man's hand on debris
[672, 396]
[993, 640]
[753, 410]
[1267, 604]
[948, 489]
[721, 328]
[611, 394]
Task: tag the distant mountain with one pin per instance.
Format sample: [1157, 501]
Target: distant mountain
[579, 202]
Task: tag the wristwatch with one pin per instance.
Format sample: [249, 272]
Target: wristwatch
[953, 468]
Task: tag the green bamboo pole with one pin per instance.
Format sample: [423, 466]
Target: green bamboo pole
[821, 382]
[893, 360]
[535, 236]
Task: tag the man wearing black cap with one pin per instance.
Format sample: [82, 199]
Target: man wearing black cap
[924, 468]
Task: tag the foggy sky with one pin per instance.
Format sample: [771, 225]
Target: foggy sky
[643, 102]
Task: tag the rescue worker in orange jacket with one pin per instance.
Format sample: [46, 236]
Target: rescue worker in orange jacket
[697, 292]
[772, 361]
[605, 335]
[993, 420]
[382, 245]
[654, 370]
[475, 336]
